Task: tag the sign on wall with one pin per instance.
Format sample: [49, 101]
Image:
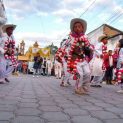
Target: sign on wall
[35, 50]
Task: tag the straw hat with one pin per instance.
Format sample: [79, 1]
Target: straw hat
[102, 37]
[7, 26]
[75, 20]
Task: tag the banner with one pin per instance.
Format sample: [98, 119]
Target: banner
[35, 50]
[45, 52]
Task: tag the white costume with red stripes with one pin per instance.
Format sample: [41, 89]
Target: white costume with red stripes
[61, 56]
[77, 63]
[4, 71]
[120, 66]
[9, 55]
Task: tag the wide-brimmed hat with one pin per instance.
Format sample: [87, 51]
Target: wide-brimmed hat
[7, 26]
[102, 37]
[75, 20]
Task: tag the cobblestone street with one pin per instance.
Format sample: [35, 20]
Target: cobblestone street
[41, 100]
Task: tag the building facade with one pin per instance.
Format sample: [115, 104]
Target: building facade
[114, 35]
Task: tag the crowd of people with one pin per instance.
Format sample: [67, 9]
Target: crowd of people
[76, 59]
[87, 64]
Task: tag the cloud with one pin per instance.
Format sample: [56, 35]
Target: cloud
[18, 9]
[19, 5]
[121, 21]
[46, 5]
[42, 14]
[105, 2]
[43, 39]
[73, 4]
[62, 9]
[17, 16]
[107, 14]
[104, 16]
[64, 13]
[59, 21]
[60, 12]
[119, 8]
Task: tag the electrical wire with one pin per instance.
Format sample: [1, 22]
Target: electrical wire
[83, 13]
[88, 8]
[116, 18]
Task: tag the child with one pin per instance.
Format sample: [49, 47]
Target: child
[61, 56]
[78, 50]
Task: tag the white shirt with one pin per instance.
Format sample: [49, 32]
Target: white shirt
[110, 61]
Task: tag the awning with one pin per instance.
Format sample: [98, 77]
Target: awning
[23, 58]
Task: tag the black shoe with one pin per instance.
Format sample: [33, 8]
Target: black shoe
[1, 82]
[68, 83]
[7, 80]
[99, 86]
[93, 85]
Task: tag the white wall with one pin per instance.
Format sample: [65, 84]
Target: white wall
[93, 36]
[113, 41]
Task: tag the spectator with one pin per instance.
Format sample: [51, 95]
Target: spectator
[44, 66]
[37, 64]
[24, 67]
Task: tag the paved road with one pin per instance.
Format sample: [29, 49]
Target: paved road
[41, 100]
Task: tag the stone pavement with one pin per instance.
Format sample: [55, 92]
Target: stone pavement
[41, 100]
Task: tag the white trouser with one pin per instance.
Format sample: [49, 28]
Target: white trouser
[36, 72]
[96, 70]
[97, 80]
[58, 75]
[58, 70]
[6, 68]
[66, 75]
[84, 72]
[49, 71]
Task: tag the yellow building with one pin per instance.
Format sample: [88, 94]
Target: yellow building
[32, 51]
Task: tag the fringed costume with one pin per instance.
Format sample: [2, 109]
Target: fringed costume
[79, 54]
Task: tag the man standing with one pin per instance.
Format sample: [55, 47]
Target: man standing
[3, 20]
[9, 48]
[44, 66]
[49, 66]
[97, 63]
[37, 64]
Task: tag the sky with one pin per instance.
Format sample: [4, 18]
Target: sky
[48, 21]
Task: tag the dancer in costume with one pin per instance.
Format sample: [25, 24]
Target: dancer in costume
[9, 48]
[3, 20]
[120, 66]
[78, 49]
[97, 63]
[61, 56]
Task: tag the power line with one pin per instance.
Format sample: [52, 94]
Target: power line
[116, 18]
[87, 8]
[111, 19]
[85, 11]
[112, 16]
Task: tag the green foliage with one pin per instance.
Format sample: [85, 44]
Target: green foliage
[53, 48]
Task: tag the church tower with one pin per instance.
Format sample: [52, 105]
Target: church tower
[35, 44]
[22, 47]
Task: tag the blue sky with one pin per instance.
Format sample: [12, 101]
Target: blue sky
[47, 21]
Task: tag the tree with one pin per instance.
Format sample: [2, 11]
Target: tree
[53, 48]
